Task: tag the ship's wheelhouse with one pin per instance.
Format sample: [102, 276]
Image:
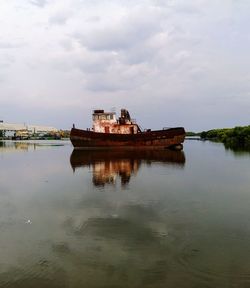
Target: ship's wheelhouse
[106, 122]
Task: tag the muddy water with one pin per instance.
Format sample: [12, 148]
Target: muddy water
[147, 219]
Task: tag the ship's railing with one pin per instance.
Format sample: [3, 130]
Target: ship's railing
[133, 121]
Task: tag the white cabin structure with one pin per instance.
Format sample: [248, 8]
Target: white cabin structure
[106, 122]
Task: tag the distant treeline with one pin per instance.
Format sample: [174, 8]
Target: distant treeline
[231, 137]
[192, 134]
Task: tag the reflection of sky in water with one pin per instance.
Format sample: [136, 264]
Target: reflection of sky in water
[172, 226]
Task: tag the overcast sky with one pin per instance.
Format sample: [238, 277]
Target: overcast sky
[169, 62]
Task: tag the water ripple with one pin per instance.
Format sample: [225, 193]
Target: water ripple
[215, 263]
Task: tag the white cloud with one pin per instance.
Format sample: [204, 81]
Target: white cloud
[39, 3]
[60, 18]
[81, 54]
[123, 33]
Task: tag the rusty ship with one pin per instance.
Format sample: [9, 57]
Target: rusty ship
[124, 132]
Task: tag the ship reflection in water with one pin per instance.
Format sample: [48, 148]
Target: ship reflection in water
[108, 166]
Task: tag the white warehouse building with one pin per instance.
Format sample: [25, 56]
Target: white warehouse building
[31, 129]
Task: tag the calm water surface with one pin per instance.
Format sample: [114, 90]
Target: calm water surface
[148, 219]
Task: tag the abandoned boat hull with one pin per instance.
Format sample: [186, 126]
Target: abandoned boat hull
[159, 139]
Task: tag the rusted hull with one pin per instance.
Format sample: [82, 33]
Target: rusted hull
[158, 139]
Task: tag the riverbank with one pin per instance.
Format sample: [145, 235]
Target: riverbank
[231, 137]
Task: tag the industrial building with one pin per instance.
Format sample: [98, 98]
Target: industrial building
[25, 130]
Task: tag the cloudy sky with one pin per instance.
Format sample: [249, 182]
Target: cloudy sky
[169, 62]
